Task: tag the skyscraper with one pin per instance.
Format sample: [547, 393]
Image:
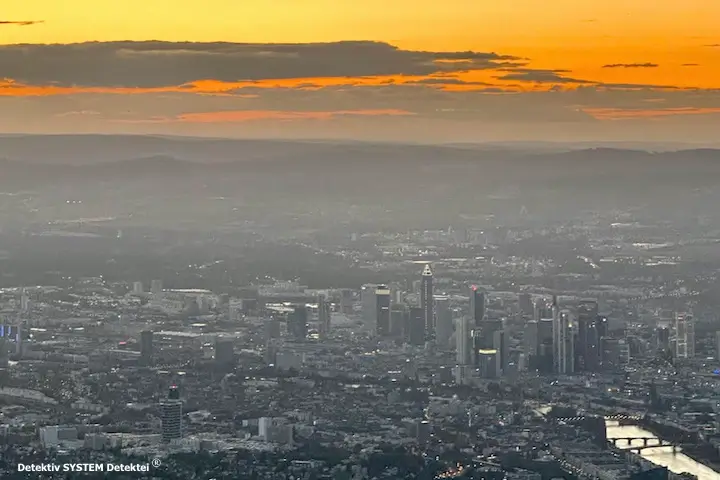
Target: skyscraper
[298, 322]
[382, 311]
[443, 321]
[463, 339]
[544, 360]
[463, 352]
[662, 338]
[563, 343]
[684, 335]
[398, 314]
[171, 415]
[588, 352]
[477, 305]
[4, 356]
[488, 348]
[530, 339]
[525, 305]
[415, 326]
[541, 309]
[346, 300]
[368, 304]
[323, 308]
[426, 301]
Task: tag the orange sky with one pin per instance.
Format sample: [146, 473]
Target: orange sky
[580, 38]
[563, 33]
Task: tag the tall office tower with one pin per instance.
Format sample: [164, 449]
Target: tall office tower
[368, 304]
[488, 348]
[603, 327]
[564, 344]
[684, 335]
[443, 321]
[541, 309]
[717, 345]
[415, 326]
[544, 358]
[662, 338]
[690, 321]
[146, 347]
[156, 287]
[4, 354]
[587, 349]
[323, 306]
[224, 353]
[397, 320]
[298, 322]
[426, 302]
[346, 302]
[557, 328]
[382, 311]
[530, 340]
[525, 305]
[477, 305]
[488, 352]
[464, 347]
[16, 335]
[25, 303]
[463, 341]
[171, 415]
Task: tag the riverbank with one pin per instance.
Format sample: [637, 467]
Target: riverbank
[701, 455]
[645, 464]
[704, 453]
[663, 456]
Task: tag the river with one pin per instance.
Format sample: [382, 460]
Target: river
[675, 462]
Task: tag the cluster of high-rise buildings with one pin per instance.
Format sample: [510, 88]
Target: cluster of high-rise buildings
[556, 339]
[427, 322]
[565, 341]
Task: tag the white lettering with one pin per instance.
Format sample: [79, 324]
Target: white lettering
[83, 467]
[42, 467]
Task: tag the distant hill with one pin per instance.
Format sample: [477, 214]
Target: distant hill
[31, 161]
[93, 149]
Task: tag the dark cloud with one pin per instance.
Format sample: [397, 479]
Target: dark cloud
[533, 70]
[445, 81]
[23, 23]
[154, 64]
[713, 45]
[690, 65]
[631, 65]
[541, 76]
[554, 76]
[640, 86]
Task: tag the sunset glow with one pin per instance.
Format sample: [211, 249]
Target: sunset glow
[607, 60]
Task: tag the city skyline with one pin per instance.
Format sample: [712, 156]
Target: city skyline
[463, 71]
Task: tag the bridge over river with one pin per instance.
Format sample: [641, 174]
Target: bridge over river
[660, 452]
